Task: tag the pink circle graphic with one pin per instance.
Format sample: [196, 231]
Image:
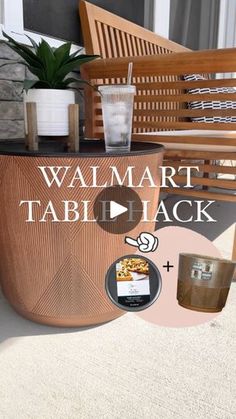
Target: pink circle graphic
[166, 310]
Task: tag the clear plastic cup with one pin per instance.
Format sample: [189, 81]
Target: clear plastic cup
[117, 109]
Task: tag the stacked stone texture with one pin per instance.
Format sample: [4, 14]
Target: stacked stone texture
[11, 95]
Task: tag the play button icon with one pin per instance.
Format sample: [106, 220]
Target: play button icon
[118, 209]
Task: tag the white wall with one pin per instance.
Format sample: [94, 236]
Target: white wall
[227, 24]
[162, 17]
[227, 27]
[13, 16]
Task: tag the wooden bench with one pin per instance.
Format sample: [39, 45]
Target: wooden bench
[161, 112]
[162, 101]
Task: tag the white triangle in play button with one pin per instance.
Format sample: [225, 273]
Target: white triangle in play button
[116, 209]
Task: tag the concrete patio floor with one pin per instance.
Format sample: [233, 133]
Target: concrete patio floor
[128, 368]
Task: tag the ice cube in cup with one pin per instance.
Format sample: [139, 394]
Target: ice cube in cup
[117, 110]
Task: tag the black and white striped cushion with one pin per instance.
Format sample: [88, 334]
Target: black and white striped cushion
[214, 104]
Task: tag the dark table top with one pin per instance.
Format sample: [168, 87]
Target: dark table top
[88, 148]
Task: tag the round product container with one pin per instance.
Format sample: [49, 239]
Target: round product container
[54, 272]
[204, 282]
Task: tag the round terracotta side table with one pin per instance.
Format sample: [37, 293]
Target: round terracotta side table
[54, 272]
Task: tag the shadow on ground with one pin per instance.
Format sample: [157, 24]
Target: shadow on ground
[13, 325]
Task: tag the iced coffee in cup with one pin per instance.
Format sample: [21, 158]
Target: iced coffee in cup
[117, 109]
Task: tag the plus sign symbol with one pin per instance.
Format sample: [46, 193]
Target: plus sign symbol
[168, 266]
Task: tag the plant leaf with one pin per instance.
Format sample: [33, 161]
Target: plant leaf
[37, 84]
[34, 44]
[43, 84]
[28, 60]
[38, 72]
[83, 58]
[46, 55]
[74, 80]
[75, 63]
[65, 84]
[62, 54]
[50, 65]
[76, 53]
[28, 84]
[23, 51]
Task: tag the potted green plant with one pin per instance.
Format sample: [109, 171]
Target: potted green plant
[50, 90]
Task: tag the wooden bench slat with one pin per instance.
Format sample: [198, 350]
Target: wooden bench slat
[201, 155]
[99, 30]
[187, 97]
[184, 85]
[217, 141]
[215, 196]
[179, 112]
[184, 98]
[175, 126]
[167, 126]
[217, 183]
[206, 168]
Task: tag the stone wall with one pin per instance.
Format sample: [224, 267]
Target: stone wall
[11, 96]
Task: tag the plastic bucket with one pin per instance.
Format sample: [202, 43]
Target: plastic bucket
[54, 272]
[204, 282]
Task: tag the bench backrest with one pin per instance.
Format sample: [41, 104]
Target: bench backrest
[111, 36]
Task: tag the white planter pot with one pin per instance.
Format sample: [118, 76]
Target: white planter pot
[52, 110]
